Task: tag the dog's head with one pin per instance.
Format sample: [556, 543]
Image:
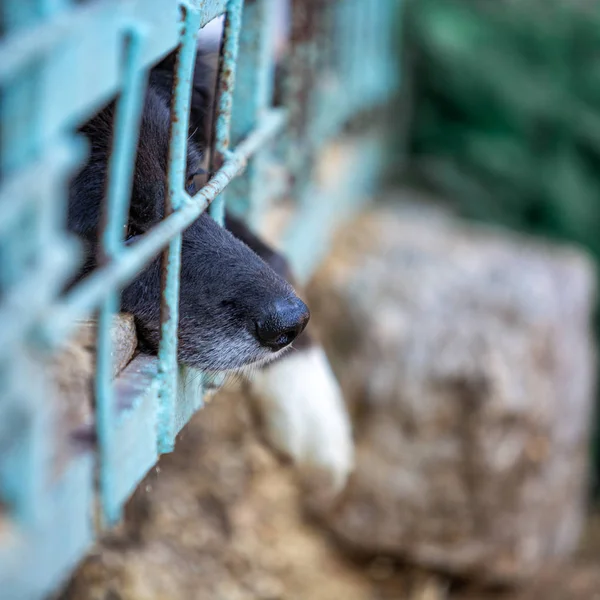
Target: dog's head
[234, 309]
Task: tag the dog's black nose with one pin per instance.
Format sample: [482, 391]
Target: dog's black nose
[282, 322]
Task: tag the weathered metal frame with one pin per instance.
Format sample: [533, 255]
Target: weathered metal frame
[47, 90]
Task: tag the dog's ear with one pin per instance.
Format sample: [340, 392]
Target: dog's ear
[162, 77]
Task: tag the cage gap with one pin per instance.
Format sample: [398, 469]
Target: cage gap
[210, 42]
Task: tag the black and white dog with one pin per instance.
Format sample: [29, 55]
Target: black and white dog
[237, 306]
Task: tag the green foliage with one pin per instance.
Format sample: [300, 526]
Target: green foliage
[507, 118]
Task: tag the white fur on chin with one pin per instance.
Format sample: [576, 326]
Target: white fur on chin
[305, 416]
[194, 385]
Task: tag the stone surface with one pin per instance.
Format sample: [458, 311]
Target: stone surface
[466, 357]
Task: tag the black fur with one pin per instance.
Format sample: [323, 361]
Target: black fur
[276, 261]
[225, 287]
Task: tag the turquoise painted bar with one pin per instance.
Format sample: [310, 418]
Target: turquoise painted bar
[60, 62]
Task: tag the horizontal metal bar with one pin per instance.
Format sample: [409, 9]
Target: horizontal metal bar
[209, 9]
[28, 46]
[87, 295]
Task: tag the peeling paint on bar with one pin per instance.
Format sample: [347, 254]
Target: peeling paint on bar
[227, 67]
[171, 260]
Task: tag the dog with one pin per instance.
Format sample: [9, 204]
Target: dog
[235, 311]
[237, 308]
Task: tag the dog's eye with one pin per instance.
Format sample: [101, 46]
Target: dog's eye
[131, 234]
[195, 182]
[190, 185]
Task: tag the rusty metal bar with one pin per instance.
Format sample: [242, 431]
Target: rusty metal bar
[171, 259]
[224, 102]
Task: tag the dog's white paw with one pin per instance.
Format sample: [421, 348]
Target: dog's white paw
[305, 417]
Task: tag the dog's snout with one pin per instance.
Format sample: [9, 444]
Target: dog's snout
[282, 322]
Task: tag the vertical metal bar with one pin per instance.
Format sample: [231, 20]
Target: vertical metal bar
[122, 160]
[171, 259]
[24, 459]
[31, 460]
[254, 69]
[356, 47]
[227, 67]
[246, 195]
[343, 50]
[395, 12]
[366, 66]
[27, 449]
[380, 49]
[329, 17]
[302, 95]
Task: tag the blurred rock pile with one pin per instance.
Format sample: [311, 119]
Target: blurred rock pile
[466, 358]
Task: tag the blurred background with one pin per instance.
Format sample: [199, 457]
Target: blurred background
[502, 124]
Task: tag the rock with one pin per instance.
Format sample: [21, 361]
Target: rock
[467, 361]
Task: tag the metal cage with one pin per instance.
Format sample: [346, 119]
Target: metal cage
[60, 61]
